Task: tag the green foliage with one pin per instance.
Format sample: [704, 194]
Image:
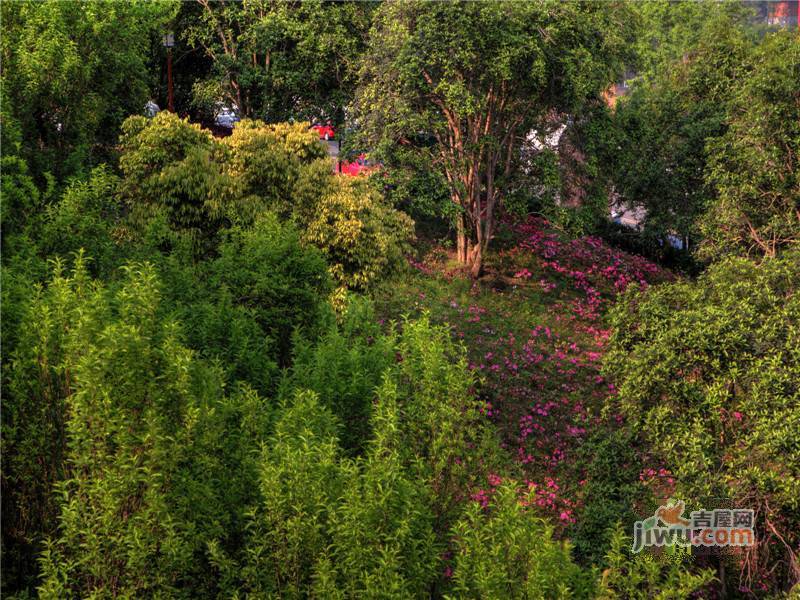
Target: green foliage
[373, 525]
[708, 137]
[667, 29]
[176, 172]
[362, 237]
[280, 282]
[442, 425]
[411, 181]
[708, 374]
[276, 163]
[37, 380]
[174, 168]
[300, 480]
[383, 538]
[86, 218]
[243, 306]
[129, 393]
[645, 576]
[326, 523]
[508, 552]
[344, 368]
[10, 129]
[611, 492]
[219, 328]
[278, 61]
[135, 437]
[72, 71]
[754, 166]
[20, 196]
[573, 185]
[537, 185]
[663, 127]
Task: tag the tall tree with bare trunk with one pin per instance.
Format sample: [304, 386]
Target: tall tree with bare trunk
[476, 77]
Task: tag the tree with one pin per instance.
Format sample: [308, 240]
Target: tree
[668, 29]
[662, 128]
[173, 169]
[708, 378]
[277, 60]
[475, 76]
[72, 71]
[754, 167]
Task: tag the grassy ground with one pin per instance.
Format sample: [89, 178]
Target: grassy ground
[533, 328]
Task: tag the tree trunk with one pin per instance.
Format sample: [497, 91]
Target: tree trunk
[461, 239]
[476, 261]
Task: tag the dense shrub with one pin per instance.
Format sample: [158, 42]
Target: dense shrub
[268, 160]
[362, 237]
[505, 551]
[172, 167]
[177, 174]
[344, 368]
[126, 421]
[161, 490]
[219, 328]
[383, 538]
[300, 479]
[37, 380]
[442, 423]
[331, 527]
[612, 491]
[136, 441]
[647, 576]
[86, 217]
[754, 166]
[373, 525]
[20, 196]
[281, 283]
[411, 182]
[708, 374]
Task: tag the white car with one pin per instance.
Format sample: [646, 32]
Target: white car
[227, 116]
[151, 109]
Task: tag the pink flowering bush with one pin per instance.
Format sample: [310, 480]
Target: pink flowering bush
[587, 264]
[536, 348]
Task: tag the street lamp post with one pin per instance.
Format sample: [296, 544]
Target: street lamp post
[169, 42]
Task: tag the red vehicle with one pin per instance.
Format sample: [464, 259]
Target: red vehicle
[326, 132]
[360, 166]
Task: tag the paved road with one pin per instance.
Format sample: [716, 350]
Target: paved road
[333, 148]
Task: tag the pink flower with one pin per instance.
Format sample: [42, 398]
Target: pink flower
[522, 274]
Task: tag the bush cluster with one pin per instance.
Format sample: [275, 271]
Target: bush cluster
[709, 377]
